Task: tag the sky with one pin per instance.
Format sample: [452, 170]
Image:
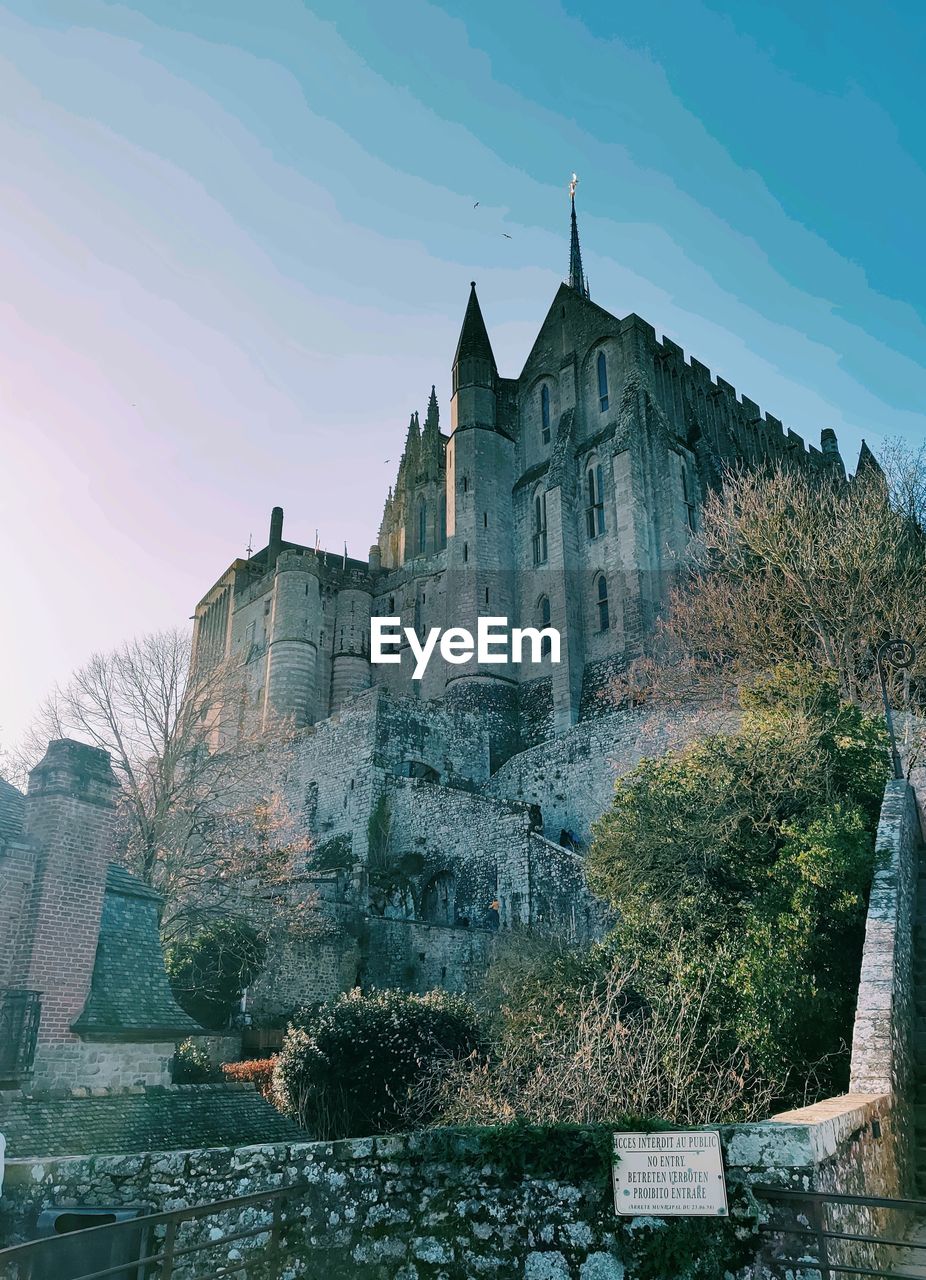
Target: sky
[236, 241]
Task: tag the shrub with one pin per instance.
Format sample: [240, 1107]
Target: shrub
[192, 1065]
[258, 1071]
[599, 1055]
[211, 966]
[349, 1068]
[757, 848]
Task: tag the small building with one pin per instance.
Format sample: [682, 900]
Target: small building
[84, 996]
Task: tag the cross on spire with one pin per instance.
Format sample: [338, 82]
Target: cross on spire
[577, 279]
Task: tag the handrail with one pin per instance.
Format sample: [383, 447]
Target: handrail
[167, 1253]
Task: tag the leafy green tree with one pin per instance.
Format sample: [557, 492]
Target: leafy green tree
[210, 967]
[754, 850]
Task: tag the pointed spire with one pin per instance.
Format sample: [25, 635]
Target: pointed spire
[474, 337]
[432, 420]
[577, 278]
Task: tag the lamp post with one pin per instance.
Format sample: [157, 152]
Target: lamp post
[893, 653]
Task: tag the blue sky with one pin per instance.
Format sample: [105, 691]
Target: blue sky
[236, 241]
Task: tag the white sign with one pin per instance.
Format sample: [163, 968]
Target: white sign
[662, 1174]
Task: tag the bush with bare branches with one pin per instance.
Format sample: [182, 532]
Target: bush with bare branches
[602, 1057]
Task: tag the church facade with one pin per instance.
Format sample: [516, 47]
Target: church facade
[563, 497]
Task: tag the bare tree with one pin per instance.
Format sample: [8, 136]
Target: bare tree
[799, 568]
[202, 820]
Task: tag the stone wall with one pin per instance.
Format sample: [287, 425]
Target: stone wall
[571, 778]
[882, 1048]
[110, 1063]
[415, 956]
[457, 1204]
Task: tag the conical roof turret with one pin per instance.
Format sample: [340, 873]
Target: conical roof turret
[474, 341]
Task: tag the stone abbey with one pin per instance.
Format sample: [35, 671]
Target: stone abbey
[563, 497]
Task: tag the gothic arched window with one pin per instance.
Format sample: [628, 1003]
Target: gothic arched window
[422, 526]
[540, 527]
[545, 414]
[594, 500]
[601, 594]
[602, 381]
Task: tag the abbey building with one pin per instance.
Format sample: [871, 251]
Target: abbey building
[563, 496]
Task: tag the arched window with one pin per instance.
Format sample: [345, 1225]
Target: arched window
[545, 414]
[422, 526]
[601, 593]
[443, 524]
[602, 381]
[543, 608]
[594, 500]
[540, 527]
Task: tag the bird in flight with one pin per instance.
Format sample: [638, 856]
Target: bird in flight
[506, 235]
[475, 205]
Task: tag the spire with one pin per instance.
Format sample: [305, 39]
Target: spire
[432, 420]
[474, 337]
[577, 278]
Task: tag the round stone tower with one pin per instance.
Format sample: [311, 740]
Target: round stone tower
[290, 691]
[350, 670]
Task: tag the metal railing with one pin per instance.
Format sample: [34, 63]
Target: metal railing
[162, 1251]
[827, 1251]
[20, 1012]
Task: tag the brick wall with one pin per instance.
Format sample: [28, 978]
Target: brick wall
[17, 869]
[68, 822]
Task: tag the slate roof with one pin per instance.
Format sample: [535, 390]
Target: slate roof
[157, 1118]
[130, 996]
[12, 807]
[474, 337]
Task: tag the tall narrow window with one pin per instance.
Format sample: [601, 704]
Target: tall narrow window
[594, 493]
[422, 526]
[601, 592]
[686, 498]
[545, 414]
[545, 616]
[540, 527]
[602, 381]
[443, 524]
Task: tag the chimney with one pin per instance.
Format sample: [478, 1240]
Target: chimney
[276, 536]
[68, 821]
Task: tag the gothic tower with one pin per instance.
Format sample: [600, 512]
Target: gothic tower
[480, 471]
